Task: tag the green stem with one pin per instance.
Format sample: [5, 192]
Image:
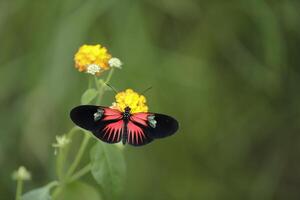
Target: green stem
[52, 184]
[102, 87]
[109, 75]
[59, 163]
[79, 154]
[90, 82]
[62, 154]
[99, 90]
[80, 173]
[19, 189]
[69, 136]
[57, 191]
[72, 131]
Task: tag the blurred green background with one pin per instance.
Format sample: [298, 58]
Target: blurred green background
[227, 70]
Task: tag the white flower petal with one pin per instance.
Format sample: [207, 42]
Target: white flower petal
[115, 62]
[93, 69]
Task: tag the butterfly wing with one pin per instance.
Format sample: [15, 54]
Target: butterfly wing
[161, 125]
[136, 134]
[105, 123]
[144, 127]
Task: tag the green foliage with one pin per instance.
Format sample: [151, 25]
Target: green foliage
[110, 177]
[37, 194]
[88, 96]
[227, 70]
[108, 168]
[79, 191]
[42, 193]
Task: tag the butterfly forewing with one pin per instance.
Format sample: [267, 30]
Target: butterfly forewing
[108, 127]
[83, 116]
[165, 126]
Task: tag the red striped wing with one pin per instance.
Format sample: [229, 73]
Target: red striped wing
[105, 123]
[111, 114]
[136, 129]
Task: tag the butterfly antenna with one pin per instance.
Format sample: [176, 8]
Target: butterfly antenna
[112, 88]
[146, 90]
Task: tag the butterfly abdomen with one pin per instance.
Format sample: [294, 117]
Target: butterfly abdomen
[125, 133]
[126, 116]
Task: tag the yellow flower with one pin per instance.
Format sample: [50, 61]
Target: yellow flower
[136, 102]
[92, 59]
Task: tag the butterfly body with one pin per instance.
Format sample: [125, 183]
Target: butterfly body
[112, 126]
[126, 116]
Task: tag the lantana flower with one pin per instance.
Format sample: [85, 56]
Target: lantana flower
[94, 59]
[130, 98]
[88, 57]
[115, 62]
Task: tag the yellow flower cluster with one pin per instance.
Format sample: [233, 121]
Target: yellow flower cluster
[92, 55]
[136, 102]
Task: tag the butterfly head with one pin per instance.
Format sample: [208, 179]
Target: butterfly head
[127, 112]
[127, 109]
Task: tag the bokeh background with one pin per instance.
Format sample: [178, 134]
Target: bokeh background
[227, 70]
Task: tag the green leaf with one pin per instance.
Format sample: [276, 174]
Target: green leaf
[88, 96]
[108, 168]
[42, 193]
[79, 191]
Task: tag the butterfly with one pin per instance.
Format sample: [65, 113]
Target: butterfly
[112, 126]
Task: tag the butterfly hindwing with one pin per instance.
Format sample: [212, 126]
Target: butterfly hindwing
[136, 134]
[105, 123]
[155, 125]
[110, 132]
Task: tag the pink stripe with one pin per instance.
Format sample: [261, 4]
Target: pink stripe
[135, 133]
[113, 129]
[109, 111]
[140, 118]
[112, 117]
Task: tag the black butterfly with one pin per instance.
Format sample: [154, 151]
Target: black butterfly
[112, 126]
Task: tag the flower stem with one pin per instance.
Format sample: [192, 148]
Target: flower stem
[80, 173]
[72, 131]
[19, 189]
[62, 154]
[109, 75]
[79, 154]
[56, 192]
[101, 91]
[52, 184]
[90, 82]
[97, 84]
[69, 136]
[59, 163]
